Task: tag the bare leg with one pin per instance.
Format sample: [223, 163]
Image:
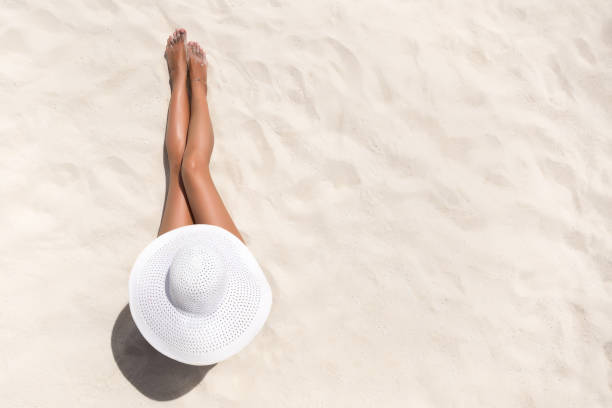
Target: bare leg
[176, 209]
[204, 199]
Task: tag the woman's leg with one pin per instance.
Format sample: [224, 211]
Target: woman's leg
[176, 209]
[204, 199]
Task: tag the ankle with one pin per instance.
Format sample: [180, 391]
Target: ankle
[198, 85]
[178, 78]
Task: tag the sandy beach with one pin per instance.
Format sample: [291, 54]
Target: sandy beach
[427, 186]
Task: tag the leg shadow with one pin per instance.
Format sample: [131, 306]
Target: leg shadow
[153, 374]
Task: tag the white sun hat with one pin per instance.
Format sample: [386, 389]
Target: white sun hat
[198, 295]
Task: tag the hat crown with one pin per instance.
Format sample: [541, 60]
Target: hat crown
[196, 280]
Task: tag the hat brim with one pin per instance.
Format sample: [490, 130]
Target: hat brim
[176, 333]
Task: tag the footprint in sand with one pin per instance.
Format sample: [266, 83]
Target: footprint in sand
[584, 50]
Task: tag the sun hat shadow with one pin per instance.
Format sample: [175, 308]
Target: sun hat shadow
[156, 376]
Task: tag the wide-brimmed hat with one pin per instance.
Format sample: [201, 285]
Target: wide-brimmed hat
[198, 295]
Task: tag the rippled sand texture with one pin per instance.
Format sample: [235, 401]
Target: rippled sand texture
[427, 185]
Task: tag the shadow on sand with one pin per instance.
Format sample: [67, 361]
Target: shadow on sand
[153, 374]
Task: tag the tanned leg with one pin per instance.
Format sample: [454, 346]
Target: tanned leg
[176, 209]
[204, 199]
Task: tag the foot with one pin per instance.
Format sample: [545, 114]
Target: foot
[176, 57]
[196, 58]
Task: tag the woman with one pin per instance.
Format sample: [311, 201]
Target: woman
[197, 293]
[192, 196]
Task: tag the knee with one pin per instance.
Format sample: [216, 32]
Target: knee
[193, 166]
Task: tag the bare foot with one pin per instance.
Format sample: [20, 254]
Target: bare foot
[175, 56]
[197, 67]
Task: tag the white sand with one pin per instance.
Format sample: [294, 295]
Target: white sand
[427, 185]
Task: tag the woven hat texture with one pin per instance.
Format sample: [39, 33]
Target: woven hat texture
[198, 295]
